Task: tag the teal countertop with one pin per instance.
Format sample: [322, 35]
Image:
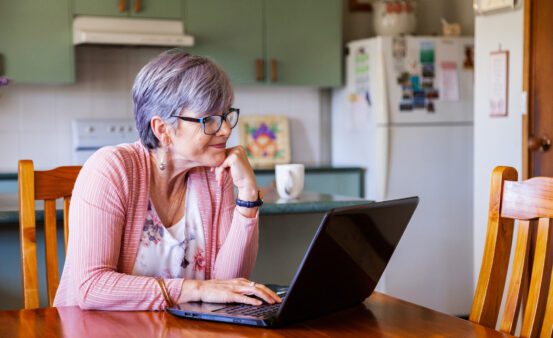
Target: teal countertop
[347, 181]
[314, 169]
[308, 202]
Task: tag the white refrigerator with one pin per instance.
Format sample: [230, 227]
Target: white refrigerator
[405, 115]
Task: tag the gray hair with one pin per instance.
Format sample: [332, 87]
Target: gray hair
[174, 81]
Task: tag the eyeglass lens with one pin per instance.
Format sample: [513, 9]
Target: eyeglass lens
[212, 124]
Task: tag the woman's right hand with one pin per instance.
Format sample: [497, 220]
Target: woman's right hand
[227, 291]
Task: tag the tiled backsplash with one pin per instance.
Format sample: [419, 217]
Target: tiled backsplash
[35, 120]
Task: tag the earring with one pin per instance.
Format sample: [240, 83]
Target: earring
[162, 164]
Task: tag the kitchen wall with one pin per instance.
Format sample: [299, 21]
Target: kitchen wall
[497, 140]
[35, 120]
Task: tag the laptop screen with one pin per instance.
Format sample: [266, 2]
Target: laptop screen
[368, 238]
[347, 257]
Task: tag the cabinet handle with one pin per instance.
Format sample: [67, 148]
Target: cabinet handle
[259, 70]
[122, 6]
[274, 70]
[137, 6]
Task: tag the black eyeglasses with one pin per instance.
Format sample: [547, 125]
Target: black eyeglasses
[212, 124]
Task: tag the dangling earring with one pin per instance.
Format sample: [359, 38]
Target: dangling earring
[162, 157]
[162, 164]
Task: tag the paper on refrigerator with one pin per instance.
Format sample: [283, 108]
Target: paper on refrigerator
[359, 100]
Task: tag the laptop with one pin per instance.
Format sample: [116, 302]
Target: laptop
[341, 268]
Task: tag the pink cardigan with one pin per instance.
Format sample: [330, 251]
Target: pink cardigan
[107, 213]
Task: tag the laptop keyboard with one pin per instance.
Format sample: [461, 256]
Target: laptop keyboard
[261, 311]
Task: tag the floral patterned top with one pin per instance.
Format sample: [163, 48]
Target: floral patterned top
[174, 252]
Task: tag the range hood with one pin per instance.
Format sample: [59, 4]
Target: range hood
[129, 31]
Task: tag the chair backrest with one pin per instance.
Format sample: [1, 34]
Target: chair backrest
[529, 291]
[48, 186]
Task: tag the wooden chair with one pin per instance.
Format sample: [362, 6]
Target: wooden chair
[47, 186]
[530, 289]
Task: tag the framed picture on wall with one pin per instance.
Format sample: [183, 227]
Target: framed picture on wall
[360, 5]
[266, 139]
[499, 83]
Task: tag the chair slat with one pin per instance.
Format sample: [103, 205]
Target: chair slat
[519, 269]
[66, 202]
[50, 225]
[27, 234]
[541, 274]
[493, 272]
[547, 327]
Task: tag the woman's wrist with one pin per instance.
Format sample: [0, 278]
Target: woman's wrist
[190, 291]
[248, 193]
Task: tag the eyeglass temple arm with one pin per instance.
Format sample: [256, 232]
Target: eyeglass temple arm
[191, 119]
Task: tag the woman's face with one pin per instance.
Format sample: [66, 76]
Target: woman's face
[190, 145]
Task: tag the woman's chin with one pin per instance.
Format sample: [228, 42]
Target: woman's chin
[215, 161]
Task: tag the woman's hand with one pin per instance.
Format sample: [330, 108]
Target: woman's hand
[242, 176]
[227, 291]
[240, 169]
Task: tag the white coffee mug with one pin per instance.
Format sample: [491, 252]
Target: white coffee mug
[289, 180]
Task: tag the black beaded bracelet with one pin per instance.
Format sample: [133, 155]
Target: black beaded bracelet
[251, 204]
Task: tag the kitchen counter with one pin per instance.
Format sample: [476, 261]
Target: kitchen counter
[347, 181]
[308, 168]
[308, 202]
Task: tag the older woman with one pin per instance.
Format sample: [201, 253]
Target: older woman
[156, 222]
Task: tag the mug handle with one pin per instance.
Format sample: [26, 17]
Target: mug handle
[289, 183]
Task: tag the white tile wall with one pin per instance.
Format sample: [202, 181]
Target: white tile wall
[35, 120]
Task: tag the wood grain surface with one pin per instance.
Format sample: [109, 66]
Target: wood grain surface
[379, 316]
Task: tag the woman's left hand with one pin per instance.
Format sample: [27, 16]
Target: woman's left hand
[236, 163]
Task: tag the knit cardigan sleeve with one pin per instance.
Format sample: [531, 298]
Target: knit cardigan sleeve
[238, 238]
[98, 215]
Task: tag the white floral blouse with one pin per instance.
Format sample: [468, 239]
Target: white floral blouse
[174, 252]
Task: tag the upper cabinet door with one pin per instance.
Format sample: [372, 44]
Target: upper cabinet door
[158, 9]
[304, 42]
[35, 41]
[231, 33]
[101, 7]
[155, 9]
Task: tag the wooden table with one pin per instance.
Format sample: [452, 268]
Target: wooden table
[379, 316]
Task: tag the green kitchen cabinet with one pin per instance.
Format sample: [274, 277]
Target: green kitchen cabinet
[304, 42]
[155, 9]
[35, 41]
[279, 42]
[229, 32]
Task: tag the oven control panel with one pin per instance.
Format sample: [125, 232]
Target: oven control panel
[90, 135]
